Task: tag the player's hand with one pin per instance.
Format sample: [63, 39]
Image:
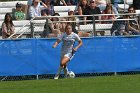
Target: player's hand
[74, 49]
[53, 46]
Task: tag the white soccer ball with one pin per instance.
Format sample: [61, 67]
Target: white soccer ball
[71, 74]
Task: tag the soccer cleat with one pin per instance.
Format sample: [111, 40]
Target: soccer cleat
[58, 73]
[56, 76]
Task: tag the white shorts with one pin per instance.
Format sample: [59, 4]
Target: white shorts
[68, 55]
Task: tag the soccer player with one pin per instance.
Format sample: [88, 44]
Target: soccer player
[68, 38]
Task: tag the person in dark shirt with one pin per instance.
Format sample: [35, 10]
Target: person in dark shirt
[92, 9]
[136, 4]
[82, 8]
[124, 27]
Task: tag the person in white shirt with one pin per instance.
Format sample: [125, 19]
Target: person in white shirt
[35, 9]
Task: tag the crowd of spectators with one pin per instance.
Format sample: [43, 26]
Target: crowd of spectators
[126, 27]
[38, 8]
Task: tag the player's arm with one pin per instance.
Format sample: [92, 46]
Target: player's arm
[80, 43]
[56, 43]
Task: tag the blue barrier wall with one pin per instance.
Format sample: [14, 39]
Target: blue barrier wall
[99, 54]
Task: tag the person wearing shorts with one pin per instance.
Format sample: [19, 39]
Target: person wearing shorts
[68, 39]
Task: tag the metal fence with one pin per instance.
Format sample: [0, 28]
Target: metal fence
[51, 76]
[36, 27]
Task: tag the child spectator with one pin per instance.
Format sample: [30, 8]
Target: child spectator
[19, 14]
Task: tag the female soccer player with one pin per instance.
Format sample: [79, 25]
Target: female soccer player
[68, 38]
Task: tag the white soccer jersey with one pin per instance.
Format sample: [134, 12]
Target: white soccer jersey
[68, 42]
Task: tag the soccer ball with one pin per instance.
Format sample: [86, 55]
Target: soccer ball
[71, 74]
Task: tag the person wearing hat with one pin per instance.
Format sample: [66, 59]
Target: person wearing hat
[19, 14]
[73, 24]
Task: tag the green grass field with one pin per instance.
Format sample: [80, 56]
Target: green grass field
[98, 84]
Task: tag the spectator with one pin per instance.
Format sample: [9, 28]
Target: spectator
[103, 3]
[49, 10]
[133, 23]
[71, 2]
[83, 6]
[19, 15]
[7, 27]
[29, 4]
[131, 9]
[123, 27]
[72, 18]
[136, 4]
[119, 27]
[92, 9]
[82, 9]
[57, 2]
[73, 24]
[54, 26]
[35, 9]
[115, 3]
[108, 10]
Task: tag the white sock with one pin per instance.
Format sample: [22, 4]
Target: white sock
[65, 71]
[59, 70]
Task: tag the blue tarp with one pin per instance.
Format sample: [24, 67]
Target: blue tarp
[98, 54]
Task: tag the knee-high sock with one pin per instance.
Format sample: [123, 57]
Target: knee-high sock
[65, 70]
[59, 70]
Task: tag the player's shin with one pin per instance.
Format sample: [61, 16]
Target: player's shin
[65, 71]
[58, 72]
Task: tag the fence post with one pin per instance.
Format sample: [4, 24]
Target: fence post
[32, 29]
[37, 77]
[115, 73]
[94, 28]
[139, 21]
[47, 28]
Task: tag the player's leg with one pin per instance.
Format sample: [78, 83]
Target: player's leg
[64, 62]
[65, 71]
[59, 70]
